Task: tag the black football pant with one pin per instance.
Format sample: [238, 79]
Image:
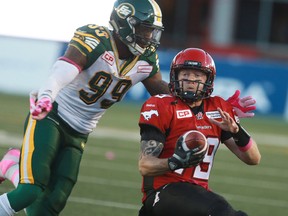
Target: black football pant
[185, 199]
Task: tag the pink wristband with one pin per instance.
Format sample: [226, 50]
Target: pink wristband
[246, 147]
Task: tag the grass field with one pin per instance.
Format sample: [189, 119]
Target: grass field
[111, 186]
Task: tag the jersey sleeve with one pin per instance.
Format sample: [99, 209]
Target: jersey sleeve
[92, 41]
[154, 114]
[153, 60]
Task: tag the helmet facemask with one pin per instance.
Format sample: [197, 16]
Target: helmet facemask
[146, 36]
[192, 96]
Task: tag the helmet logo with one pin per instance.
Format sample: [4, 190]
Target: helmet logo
[125, 10]
[192, 63]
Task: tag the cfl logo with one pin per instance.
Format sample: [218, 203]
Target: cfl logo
[184, 113]
[124, 10]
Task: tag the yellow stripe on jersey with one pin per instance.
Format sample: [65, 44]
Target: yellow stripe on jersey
[86, 35]
[82, 43]
[158, 13]
[27, 152]
[129, 66]
[89, 41]
[115, 51]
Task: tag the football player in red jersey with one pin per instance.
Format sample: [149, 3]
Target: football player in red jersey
[175, 181]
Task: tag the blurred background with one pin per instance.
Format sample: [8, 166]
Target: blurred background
[247, 38]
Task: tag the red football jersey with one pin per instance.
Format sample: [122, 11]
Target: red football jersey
[176, 118]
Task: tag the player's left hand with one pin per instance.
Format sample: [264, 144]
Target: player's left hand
[39, 108]
[227, 123]
[242, 106]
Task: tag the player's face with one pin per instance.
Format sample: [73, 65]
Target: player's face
[192, 80]
[144, 34]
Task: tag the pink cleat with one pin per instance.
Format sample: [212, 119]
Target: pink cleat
[9, 159]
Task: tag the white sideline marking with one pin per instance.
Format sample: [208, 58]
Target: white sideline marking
[257, 200]
[14, 140]
[226, 180]
[84, 200]
[109, 182]
[261, 138]
[103, 203]
[237, 198]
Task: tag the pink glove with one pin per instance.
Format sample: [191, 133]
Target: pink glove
[242, 106]
[40, 108]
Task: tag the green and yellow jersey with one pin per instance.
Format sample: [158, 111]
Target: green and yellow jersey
[103, 81]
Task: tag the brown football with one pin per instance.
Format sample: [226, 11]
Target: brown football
[194, 140]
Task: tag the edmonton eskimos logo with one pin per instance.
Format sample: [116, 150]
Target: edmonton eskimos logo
[125, 10]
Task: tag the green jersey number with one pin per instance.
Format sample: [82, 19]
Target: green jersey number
[99, 84]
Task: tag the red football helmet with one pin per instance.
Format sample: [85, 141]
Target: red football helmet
[192, 58]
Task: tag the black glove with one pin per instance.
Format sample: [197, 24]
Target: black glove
[183, 159]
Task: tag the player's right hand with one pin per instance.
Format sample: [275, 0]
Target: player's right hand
[39, 108]
[184, 159]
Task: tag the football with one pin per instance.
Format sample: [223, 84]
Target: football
[194, 140]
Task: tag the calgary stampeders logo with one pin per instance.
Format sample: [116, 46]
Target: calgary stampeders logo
[148, 114]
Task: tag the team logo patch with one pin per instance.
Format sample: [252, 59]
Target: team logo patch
[108, 58]
[125, 10]
[184, 113]
[213, 114]
[148, 114]
[144, 69]
[199, 115]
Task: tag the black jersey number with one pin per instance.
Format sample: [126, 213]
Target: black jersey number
[99, 84]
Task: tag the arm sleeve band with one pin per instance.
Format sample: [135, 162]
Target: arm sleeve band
[242, 138]
[62, 74]
[149, 132]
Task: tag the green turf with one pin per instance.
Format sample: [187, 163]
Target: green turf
[112, 187]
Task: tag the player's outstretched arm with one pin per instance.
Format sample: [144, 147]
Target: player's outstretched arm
[63, 72]
[249, 154]
[155, 85]
[241, 143]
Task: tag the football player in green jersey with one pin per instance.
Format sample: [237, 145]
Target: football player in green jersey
[98, 68]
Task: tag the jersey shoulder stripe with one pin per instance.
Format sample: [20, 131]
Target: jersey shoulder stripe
[152, 60]
[92, 40]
